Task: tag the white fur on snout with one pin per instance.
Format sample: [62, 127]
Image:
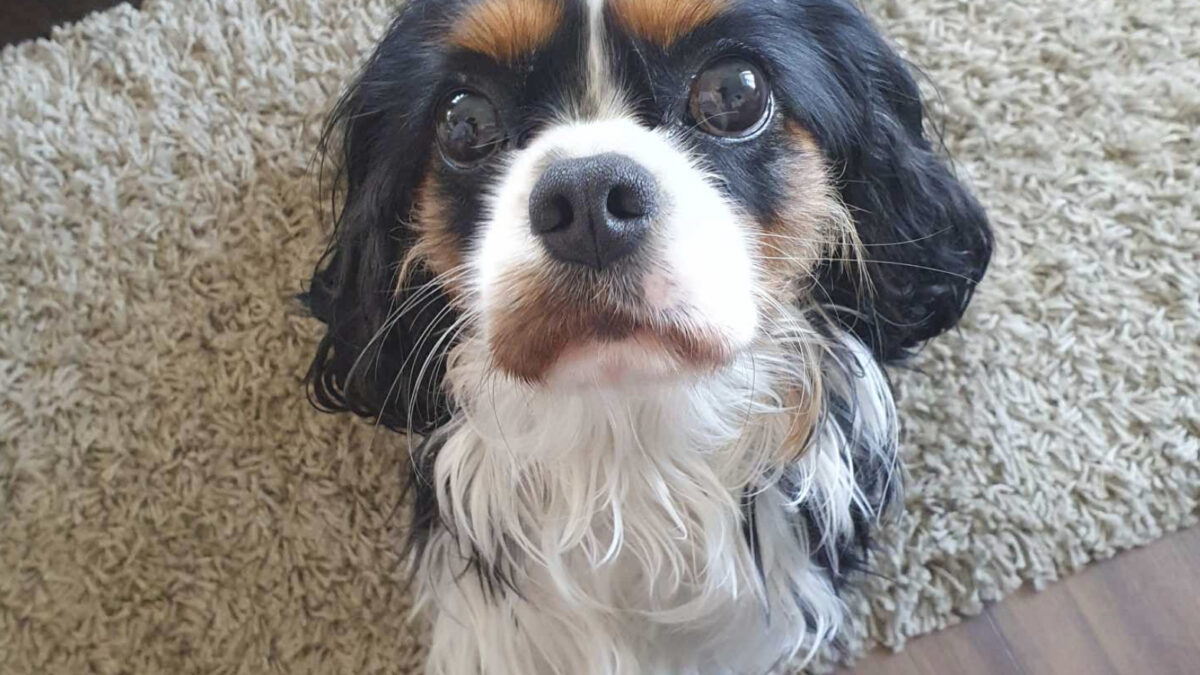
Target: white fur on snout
[699, 265]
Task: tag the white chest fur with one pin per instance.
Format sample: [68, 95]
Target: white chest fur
[606, 532]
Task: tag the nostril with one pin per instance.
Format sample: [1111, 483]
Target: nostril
[561, 213]
[625, 203]
[551, 213]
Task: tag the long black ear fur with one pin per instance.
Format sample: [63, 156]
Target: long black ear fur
[382, 355]
[927, 241]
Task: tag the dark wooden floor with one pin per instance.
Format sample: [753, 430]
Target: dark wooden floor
[27, 19]
[1137, 614]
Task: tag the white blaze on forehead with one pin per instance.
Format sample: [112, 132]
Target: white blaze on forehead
[603, 95]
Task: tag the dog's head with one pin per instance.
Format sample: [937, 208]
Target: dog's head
[611, 191]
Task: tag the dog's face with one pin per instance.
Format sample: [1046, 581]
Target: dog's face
[600, 192]
[633, 198]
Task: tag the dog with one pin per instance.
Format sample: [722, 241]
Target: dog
[626, 275]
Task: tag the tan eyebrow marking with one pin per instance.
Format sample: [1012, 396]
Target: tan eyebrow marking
[506, 30]
[665, 21]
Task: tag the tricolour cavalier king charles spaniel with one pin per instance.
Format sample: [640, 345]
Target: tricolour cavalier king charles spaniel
[626, 273]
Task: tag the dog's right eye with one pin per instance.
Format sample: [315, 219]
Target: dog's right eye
[468, 128]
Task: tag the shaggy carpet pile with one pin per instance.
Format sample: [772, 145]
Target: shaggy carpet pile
[169, 502]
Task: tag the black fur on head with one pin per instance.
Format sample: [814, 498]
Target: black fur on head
[927, 241]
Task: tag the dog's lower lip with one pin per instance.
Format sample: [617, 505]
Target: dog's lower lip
[633, 355]
[639, 358]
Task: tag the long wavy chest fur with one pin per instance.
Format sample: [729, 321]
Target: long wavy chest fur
[649, 532]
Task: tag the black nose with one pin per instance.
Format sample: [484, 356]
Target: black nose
[593, 210]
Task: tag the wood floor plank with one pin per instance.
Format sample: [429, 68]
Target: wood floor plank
[1049, 634]
[1186, 547]
[884, 663]
[976, 646]
[1132, 604]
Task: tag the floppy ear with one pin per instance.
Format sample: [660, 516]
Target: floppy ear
[926, 240]
[379, 357]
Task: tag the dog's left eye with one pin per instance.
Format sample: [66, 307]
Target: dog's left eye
[468, 128]
[730, 98]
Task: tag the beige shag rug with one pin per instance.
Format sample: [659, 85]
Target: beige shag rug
[170, 503]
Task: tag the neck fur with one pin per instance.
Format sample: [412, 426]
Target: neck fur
[595, 504]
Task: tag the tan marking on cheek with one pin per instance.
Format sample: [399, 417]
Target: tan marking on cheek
[812, 224]
[437, 248]
[664, 21]
[507, 30]
[804, 411]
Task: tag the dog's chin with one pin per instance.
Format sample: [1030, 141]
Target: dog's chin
[638, 361]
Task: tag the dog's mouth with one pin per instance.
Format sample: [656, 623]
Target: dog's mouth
[639, 354]
[565, 339]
